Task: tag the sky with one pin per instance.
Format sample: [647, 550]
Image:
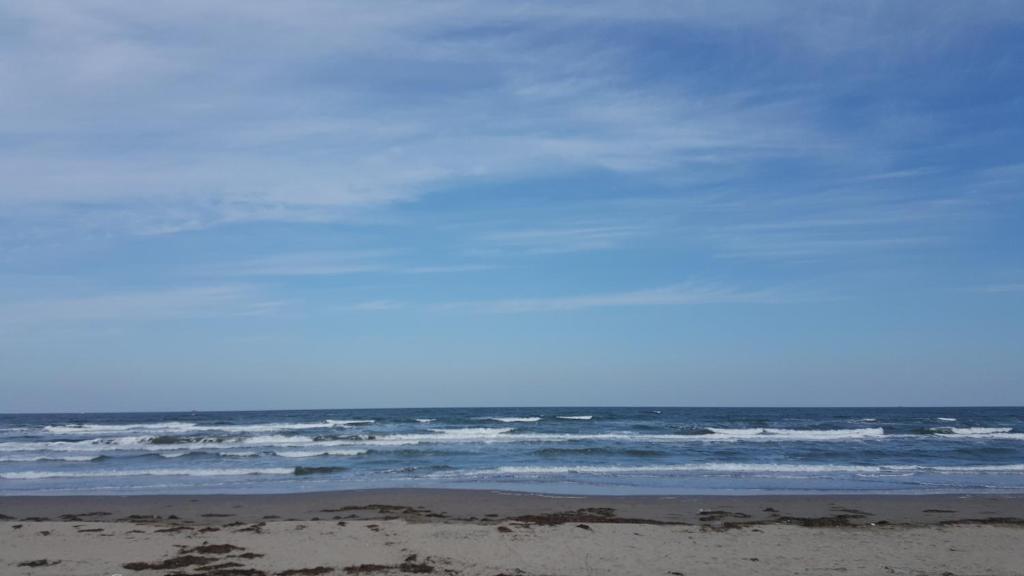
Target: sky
[212, 205]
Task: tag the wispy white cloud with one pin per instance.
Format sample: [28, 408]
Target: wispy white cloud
[200, 125]
[1002, 288]
[306, 264]
[1007, 177]
[675, 295]
[846, 222]
[578, 238]
[809, 247]
[447, 269]
[375, 306]
[130, 306]
[897, 174]
[335, 263]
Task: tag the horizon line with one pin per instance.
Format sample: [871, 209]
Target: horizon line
[538, 407]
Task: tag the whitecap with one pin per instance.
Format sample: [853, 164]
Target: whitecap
[34, 475]
[791, 434]
[314, 453]
[119, 428]
[47, 458]
[733, 468]
[511, 419]
[979, 432]
[175, 427]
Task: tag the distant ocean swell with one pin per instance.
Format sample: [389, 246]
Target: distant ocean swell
[613, 450]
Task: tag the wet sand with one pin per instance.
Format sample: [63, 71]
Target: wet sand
[491, 533]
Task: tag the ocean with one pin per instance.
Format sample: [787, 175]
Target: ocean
[554, 450]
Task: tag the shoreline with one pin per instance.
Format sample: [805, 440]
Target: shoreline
[468, 505]
[446, 532]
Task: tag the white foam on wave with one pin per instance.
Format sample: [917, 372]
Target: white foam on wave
[36, 475]
[435, 436]
[23, 446]
[574, 417]
[442, 435]
[315, 453]
[979, 432]
[425, 420]
[143, 444]
[274, 440]
[169, 427]
[467, 433]
[95, 445]
[732, 468]
[490, 435]
[947, 419]
[174, 427]
[791, 434]
[511, 419]
[47, 458]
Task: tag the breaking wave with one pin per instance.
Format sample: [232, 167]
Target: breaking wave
[32, 475]
[511, 419]
[738, 468]
[187, 427]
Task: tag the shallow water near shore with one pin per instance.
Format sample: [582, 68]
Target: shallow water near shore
[556, 450]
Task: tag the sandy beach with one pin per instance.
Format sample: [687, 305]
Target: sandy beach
[492, 533]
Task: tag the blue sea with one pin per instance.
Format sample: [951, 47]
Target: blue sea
[555, 450]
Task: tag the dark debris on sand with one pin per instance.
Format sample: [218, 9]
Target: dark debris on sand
[249, 555]
[173, 529]
[411, 565]
[255, 528]
[408, 568]
[225, 572]
[584, 516]
[206, 565]
[822, 522]
[182, 561]
[38, 563]
[212, 549]
[219, 567]
[716, 515]
[1000, 520]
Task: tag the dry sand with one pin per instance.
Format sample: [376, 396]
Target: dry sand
[490, 533]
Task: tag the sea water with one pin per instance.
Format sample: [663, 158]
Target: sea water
[558, 450]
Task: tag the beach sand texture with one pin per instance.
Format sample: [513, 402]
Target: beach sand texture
[490, 533]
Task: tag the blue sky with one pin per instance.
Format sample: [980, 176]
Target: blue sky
[215, 205]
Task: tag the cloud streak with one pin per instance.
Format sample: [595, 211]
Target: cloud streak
[376, 306]
[1011, 288]
[582, 238]
[140, 305]
[376, 106]
[306, 264]
[334, 263]
[674, 295]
